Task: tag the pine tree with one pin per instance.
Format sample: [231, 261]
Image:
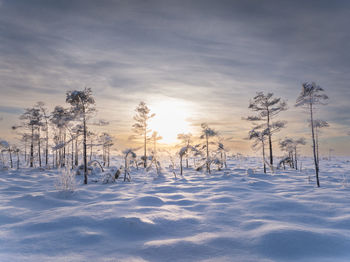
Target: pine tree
[267, 107]
[142, 118]
[310, 96]
[207, 132]
[82, 104]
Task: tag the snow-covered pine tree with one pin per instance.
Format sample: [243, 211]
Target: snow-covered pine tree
[60, 118]
[318, 124]
[32, 119]
[154, 138]
[106, 142]
[83, 105]
[259, 136]
[298, 142]
[45, 127]
[186, 140]
[287, 145]
[207, 132]
[310, 96]
[142, 117]
[129, 155]
[267, 107]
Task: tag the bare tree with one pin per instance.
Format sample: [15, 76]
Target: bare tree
[142, 118]
[267, 107]
[82, 104]
[310, 96]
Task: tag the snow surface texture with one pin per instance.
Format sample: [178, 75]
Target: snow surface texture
[231, 215]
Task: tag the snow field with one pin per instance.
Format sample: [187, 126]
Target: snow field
[230, 215]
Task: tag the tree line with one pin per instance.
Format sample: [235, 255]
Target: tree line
[67, 129]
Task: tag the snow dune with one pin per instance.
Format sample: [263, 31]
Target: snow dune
[231, 215]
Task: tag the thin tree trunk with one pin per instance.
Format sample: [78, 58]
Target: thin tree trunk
[47, 146]
[270, 139]
[314, 145]
[72, 160]
[295, 158]
[17, 160]
[11, 163]
[208, 166]
[263, 151]
[84, 145]
[145, 149]
[25, 151]
[64, 148]
[32, 148]
[39, 147]
[317, 152]
[181, 165]
[90, 149]
[108, 156]
[76, 152]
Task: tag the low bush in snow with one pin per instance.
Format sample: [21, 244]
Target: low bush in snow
[66, 181]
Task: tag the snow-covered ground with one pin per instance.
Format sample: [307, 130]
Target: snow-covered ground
[231, 215]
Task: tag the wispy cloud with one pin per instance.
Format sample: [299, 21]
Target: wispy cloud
[215, 54]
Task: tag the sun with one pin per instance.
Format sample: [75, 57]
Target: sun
[171, 118]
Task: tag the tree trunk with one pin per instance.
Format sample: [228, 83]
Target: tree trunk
[126, 167]
[11, 163]
[64, 149]
[90, 149]
[317, 152]
[32, 148]
[145, 149]
[25, 151]
[208, 166]
[108, 156]
[181, 165]
[84, 149]
[76, 152]
[270, 139]
[53, 159]
[295, 158]
[17, 160]
[72, 160]
[263, 151]
[39, 147]
[47, 146]
[314, 145]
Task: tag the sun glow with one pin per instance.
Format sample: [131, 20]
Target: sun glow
[171, 119]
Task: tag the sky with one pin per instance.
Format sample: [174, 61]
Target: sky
[190, 61]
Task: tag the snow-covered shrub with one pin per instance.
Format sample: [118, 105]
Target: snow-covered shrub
[66, 181]
[250, 171]
[108, 178]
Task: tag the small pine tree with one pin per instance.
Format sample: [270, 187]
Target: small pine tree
[267, 107]
[83, 105]
[142, 118]
[259, 137]
[207, 132]
[310, 96]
